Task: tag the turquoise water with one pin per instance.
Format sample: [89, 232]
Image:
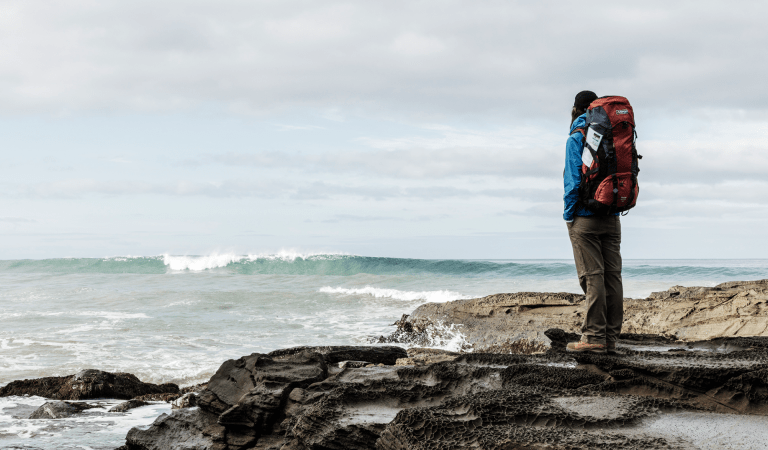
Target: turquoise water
[346, 265]
[177, 318]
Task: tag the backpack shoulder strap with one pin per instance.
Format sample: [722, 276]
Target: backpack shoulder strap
[583, 134]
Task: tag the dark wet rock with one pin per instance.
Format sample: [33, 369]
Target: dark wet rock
[553, 400]
[426, 356]
[170, 397]
[184, 429]
[194, 388]
[553, 377]
[187, 400]
[559, 338]
[245, 398]
[164, 397]
[723, 382]
[130, 404]
[521, 418]
[529, 394]
[87, 384]
[354, 364]
[335, 354]
[59, 410]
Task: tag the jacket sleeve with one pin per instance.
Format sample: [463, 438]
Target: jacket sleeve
[572, 174]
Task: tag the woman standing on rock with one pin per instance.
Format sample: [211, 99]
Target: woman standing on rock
[596, 241]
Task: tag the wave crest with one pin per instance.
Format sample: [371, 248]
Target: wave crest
[409, 296]
[292, 255]
[217, 260]
[200, 263]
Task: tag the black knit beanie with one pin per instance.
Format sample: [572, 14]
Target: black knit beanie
[583, 99]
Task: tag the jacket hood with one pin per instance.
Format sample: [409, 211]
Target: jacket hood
[580, 122]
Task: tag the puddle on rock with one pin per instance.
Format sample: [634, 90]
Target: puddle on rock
[598, 408]
[370, 413]
[702, 347]
[565, 365]
[711, 431]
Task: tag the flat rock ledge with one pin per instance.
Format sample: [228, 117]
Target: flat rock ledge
[88, 384]
[515, 323]
[307, 398]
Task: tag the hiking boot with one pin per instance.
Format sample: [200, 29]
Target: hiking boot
[610, 348]
[582, 346]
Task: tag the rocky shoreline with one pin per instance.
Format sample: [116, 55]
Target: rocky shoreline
[692, 359]
[515, 323]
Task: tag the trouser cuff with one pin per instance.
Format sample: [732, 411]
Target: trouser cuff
[594, 339]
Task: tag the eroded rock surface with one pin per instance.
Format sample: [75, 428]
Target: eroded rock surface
[515, 323]
[128, 405]
[685, 349]
[87, 384]
[733, 309]
[59, 410]
[555, 400]
[335, 354]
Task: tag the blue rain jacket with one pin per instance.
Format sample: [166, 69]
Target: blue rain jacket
[572, 173]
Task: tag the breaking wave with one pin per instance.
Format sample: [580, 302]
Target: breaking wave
[297, 263]
[429, 296]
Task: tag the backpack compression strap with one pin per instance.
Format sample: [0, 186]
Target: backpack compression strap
[583, 140]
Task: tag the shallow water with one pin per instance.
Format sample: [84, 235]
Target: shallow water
[94, 429]
[177, 318]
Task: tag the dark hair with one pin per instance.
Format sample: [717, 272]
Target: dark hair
[581, 103]
[576, 112]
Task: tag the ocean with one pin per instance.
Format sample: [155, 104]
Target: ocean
[177, 318]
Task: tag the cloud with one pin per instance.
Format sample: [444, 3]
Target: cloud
[78, 188]
[324, 108]
[263, 189]
[711, 200]
[342, 218]
[283, 127]
[427, 58]
[733, 151]
[16, 220]
[409, 164]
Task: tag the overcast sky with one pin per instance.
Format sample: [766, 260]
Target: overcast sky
[432, 129]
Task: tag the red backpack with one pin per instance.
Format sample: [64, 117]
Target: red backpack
[609, 170]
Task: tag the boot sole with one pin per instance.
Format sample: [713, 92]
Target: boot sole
[591, 350]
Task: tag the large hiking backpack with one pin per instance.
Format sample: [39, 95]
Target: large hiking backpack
[609, 170]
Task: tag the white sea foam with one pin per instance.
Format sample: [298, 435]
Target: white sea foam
[109, 315]
[94, 428]
[292, 255]
[429, 296]
[448, 337]
[216, 260]
[114, 315]
[445, 337]
[200, 263]
[182, 303]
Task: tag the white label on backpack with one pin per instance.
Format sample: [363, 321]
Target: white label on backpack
[593, 139]
[622, 111]
[586, 157]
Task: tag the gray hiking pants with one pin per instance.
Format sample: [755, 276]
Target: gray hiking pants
[596, 245]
